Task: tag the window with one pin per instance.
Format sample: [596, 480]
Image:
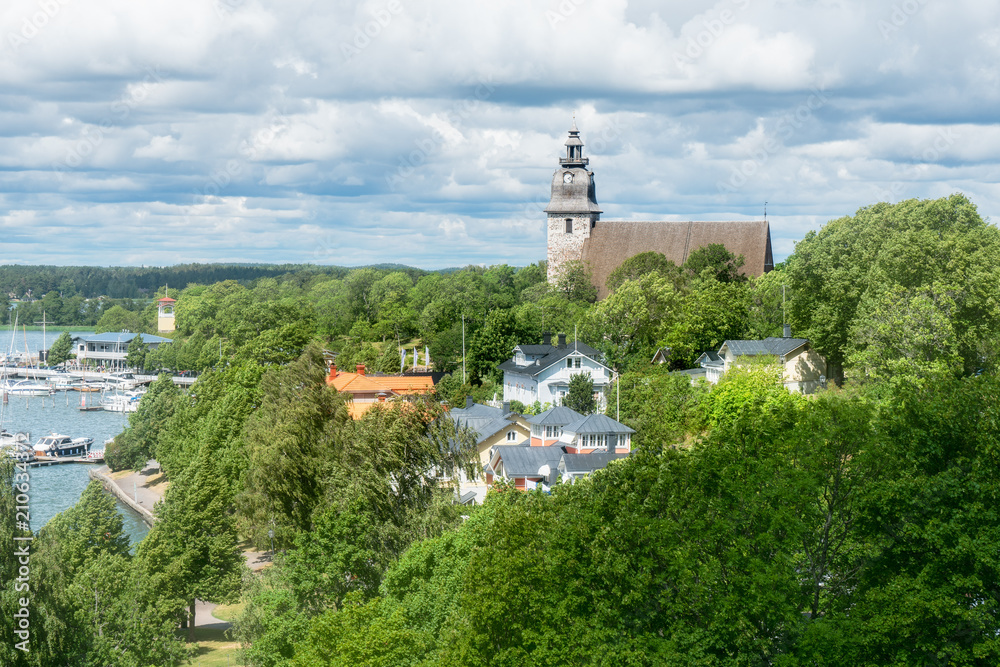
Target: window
[569, 363]
[569, 225]
[576, 362]
[511, 435]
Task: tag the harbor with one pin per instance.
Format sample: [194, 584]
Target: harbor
[57, 482]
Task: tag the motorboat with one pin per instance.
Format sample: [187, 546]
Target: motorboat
[124, 402]
[56, 445]
[22, 452]
[27, 388]
[121, 381]
[63, 382]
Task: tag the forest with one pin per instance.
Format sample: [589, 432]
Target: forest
[750, 526]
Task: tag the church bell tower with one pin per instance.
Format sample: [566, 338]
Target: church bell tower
[572, 210]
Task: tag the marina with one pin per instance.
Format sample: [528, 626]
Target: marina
[56, 483]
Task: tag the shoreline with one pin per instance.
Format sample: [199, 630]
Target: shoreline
[115, 487]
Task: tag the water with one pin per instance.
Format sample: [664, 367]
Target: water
[57, 488]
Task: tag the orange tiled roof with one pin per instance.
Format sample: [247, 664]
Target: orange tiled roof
[389, 385]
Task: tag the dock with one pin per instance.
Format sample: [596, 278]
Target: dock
[44, 461]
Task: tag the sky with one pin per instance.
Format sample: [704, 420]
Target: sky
[426, 132]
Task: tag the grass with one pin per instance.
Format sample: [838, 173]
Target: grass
[229, 612]
[213, 648]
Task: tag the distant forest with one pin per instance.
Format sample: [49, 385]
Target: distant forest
[133, 282]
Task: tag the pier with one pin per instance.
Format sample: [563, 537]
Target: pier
[85, 375]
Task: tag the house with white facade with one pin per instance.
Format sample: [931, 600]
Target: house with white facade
[542, 372]
[110, 349]
[596, 433]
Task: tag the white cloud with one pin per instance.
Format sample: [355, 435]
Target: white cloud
[245, 130]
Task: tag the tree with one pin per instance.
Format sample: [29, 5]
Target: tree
[936, 252]
[637, 266]
[580, 396]
[492, 345]
[576, 283]
[628, 325]
[136, 355]
[61, 350]
[117, 319]
[134, 446]
[714, 257]
[289, 440]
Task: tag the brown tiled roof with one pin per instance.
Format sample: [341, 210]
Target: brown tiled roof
[611, 242]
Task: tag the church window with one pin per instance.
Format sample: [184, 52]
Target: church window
[569, 225]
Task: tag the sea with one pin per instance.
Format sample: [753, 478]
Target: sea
[57, 488]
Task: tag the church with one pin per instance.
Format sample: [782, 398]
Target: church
[576, 232]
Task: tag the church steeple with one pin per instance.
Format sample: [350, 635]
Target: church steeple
[574, 150]
[573, 211]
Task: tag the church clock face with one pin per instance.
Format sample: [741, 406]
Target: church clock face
[567, 177]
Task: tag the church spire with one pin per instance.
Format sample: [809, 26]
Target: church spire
[574, 149]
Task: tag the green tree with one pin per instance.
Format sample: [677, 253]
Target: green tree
[575, 282]
[85, 592]
[843, 278]
[117, 319]
[136, 355]
[628, 325]
[61, 350]
[134, 446]
[289, 440]
[645, 263]
[715, 258]
[580, 396]
[492, 345]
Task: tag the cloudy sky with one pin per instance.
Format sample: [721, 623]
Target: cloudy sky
[425, 132]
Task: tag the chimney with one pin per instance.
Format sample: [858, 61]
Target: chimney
[788, 331]
[361, 369]
[562, 340]
[333, 372]
[506, 407]
[547, 338]
[469, 402]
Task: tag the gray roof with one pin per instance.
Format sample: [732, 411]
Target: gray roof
[773, 345]
[558, 416]
[584, 463]
[124, 337]
[525, 461]
[483, 419]
[492, 427]
[597, 423]
[467, 498]
[553, 354]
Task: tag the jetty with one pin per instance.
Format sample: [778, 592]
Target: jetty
[92, 457]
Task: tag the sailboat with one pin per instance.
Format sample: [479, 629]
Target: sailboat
[16, 445]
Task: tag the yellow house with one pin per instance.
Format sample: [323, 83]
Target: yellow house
[493, 426]
[803, 369]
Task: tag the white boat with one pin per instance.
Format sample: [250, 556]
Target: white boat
[19, 452]
[121, 381]
[63, 382]
[27, 388]
[55, 445]
[8, 439]
[127, 402]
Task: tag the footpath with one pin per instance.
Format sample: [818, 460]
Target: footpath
[141, 491]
